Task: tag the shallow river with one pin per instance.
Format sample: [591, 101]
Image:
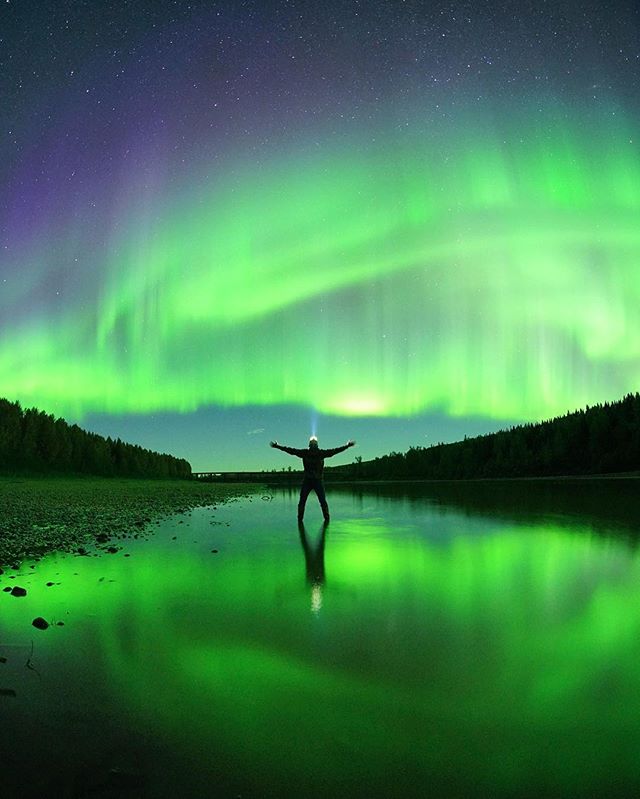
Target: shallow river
[478, 640]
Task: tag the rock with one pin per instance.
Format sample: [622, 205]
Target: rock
[81, 551]
[40, 623]
[50, 583]
[17, 591]
[214, 551]
[60, 624]
[112, 550]
[8, 588]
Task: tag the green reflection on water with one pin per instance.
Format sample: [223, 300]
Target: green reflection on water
[380, 655]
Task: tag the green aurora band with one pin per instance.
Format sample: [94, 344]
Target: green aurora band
[473, 272]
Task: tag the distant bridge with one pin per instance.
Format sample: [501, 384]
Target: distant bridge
[283, 477]
[247, 477]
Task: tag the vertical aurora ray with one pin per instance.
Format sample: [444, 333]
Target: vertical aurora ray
[475, 273]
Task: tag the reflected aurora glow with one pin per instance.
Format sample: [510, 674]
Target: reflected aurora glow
[510, 634]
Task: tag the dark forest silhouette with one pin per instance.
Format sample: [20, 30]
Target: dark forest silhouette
[34, 442]
[602, 439]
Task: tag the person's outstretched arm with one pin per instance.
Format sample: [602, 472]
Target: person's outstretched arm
[288, 450]
[329, 453]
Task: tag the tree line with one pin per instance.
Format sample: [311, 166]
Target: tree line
[34, 442]
[601, 439]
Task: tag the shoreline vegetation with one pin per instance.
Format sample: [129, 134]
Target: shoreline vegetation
[594, 441]
[34, 442]
[87, 515]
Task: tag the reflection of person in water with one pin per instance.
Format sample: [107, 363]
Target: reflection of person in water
[313, 460]
[314, 563]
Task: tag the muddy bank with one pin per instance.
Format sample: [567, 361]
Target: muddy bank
[41, 515]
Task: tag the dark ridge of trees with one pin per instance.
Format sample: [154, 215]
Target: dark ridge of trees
[603, 439]
[34, 442]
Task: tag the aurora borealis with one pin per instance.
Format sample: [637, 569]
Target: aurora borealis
[255, 205]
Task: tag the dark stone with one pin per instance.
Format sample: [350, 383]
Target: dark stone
[3, 660]
[8, 588]
[60, 624]
[40, 623]
[81, 551]
[214, 550]
[112, 550]
[50, 583]
[7, 692]
[17, 591]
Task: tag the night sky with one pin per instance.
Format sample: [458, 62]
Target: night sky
[399, 222]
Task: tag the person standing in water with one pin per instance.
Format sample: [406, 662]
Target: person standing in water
[313, 461]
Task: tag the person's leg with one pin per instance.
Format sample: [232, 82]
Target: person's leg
[322, 499]
[304, 493]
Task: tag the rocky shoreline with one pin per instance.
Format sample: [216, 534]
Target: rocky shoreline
[42, 515]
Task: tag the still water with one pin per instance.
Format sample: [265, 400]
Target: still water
[478, 640]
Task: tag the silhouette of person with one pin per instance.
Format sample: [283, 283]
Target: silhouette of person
[313, 461]
[313, 556]
[314, 564]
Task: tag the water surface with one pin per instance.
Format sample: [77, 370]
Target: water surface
[453, 640]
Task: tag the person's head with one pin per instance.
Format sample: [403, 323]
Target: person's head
[313, 443]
